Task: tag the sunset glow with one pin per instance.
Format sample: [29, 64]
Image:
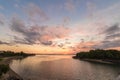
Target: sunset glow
[59, 26]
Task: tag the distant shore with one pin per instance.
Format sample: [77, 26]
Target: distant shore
[105, 61]
[101, 61]
[99, 55]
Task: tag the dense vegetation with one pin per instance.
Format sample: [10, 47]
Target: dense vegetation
[10, 53]
[3, 69]
[99, 54]
[1, 59]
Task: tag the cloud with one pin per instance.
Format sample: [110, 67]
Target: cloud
[21, 40]
[29, 35]
[83, 33]
[112, 37]
[112, 29]
[37, 34]
[35, 13]
[61, 45]
[2, 43]
[82, 46]
[18, 25]
[109, 44]
[104, 36]
[47, 42]
[113, 32]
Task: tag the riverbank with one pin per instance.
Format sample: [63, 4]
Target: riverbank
[10, 75]
[104, 61]
[99, 55]
[98, 61]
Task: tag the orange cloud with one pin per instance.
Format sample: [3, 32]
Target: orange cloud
[84, 46]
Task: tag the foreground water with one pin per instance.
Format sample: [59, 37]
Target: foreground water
[63, 67]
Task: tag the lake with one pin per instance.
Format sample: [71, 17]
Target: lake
[63, 67]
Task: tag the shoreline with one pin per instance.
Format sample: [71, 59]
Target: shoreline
[104, 61]
[97, 61]
[10, 73]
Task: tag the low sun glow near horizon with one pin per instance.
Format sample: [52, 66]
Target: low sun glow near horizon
[59, 26]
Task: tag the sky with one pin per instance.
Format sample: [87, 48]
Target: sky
[59, 26]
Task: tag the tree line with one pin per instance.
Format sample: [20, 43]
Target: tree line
[99, 54]
[11, 53]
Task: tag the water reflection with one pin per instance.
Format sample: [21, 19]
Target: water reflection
[63, 68]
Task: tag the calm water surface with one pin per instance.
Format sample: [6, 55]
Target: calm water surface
[63, 67]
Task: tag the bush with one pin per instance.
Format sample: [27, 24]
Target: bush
[100, 54]
[3, 69]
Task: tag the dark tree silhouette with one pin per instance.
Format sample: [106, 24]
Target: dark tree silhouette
[10, 53]
[99, 54]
